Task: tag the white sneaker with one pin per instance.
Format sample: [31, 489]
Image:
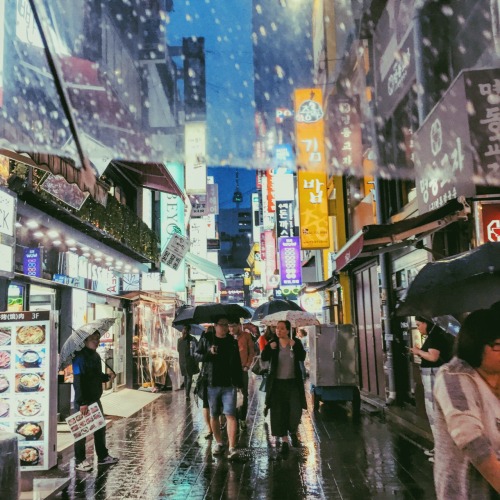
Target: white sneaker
[84, 466]
[218, 449]
[429, 453]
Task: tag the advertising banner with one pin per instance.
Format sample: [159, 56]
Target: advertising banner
[488, 221]
[28, 386]
[272, 280]
[255, 218]
[290, 265]
[195, 150]
[309, 129]
[284, 218]
[313, 210]
[32, 262]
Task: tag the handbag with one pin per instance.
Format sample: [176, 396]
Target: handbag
[260, 367]
[201, 384]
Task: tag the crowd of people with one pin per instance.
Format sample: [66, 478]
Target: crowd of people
[462, 393]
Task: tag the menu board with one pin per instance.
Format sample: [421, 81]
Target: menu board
[26, 383]
[82, 426]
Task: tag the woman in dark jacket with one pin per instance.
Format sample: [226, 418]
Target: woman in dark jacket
[285, 394]
[186, 347]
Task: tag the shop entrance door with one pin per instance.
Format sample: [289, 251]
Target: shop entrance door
[370, 331]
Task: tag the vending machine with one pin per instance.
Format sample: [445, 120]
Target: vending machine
[334, 364]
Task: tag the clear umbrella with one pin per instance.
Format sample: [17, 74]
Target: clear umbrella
[76, 341]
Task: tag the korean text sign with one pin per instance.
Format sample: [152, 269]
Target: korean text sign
[313, 210]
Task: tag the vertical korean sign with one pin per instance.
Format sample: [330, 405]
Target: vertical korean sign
[309, 130]
[28, 390]
[313, 204]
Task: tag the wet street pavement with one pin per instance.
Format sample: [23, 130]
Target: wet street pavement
[163, 454]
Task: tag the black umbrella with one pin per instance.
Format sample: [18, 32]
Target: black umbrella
[208, 313]
[458, 284]
[274, 306]
[196, 330]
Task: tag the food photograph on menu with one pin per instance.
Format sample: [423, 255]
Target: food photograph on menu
[4, 408]
[33, 334]
[29, 407]
[29, 431]
[5, 336]
[30, 382]
[5, 359]
[33, 357]
[4, 384]
[30, 456]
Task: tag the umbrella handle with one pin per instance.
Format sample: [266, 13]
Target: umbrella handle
[112, 371]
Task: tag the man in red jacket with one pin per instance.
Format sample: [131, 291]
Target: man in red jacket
[247, 353]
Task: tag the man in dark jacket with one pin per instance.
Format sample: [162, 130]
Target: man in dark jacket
[222, 360]
[87, 382]
[186, 347]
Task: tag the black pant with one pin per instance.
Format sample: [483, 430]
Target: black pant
[99, 442]
[188, 382]
[286, 409]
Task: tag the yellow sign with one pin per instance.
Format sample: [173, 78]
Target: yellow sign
[309, 129]
[313, 210]
[247, 276]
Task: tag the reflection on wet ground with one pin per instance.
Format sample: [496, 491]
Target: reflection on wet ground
[163, 454]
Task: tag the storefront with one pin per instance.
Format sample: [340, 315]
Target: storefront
[154, 344]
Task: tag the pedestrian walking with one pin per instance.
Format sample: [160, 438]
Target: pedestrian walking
[467, 417]
[247, 353]
[87, 382]
[186, 347]
[285, 396]
[302, 336]
[433, 354]
[224, 376]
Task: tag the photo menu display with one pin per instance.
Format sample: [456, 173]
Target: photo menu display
[24, 383]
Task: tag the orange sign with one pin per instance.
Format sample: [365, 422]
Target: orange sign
[313, 210]
[309, 130]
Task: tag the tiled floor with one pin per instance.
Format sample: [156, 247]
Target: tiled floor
[163, 454]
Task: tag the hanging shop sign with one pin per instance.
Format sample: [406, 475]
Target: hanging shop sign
[394, 50]
[309, 129]
[28, 390]
[269, 259]
[290, 264]
[172, 221]
[284, 219]
[283, 157]
[345, 123]
[453, 146]
[271, 197]
[60, 188]
[174, 252]
[313, 210]
[255, 217]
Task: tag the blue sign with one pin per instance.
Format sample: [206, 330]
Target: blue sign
[32, 262]
[283, 157]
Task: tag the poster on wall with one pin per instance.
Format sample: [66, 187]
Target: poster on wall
[27, 386]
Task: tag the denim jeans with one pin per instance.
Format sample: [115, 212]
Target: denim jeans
[222, 399]
[99, 442]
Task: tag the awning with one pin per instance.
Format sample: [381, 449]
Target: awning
[205, 266]
[377, 239]
[318, 286]
[151, 175]
[22, 158]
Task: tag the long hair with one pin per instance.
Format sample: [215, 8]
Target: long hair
[428, 322]
[478, 330]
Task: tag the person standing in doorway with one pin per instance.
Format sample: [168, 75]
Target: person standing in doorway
[224, 374]
[432, 355]
[87, 382]
[186, 347]
[247, 353]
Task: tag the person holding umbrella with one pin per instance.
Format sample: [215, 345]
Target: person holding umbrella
[285, 394]
[433, 354]
[88, 380]
[467, 397]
